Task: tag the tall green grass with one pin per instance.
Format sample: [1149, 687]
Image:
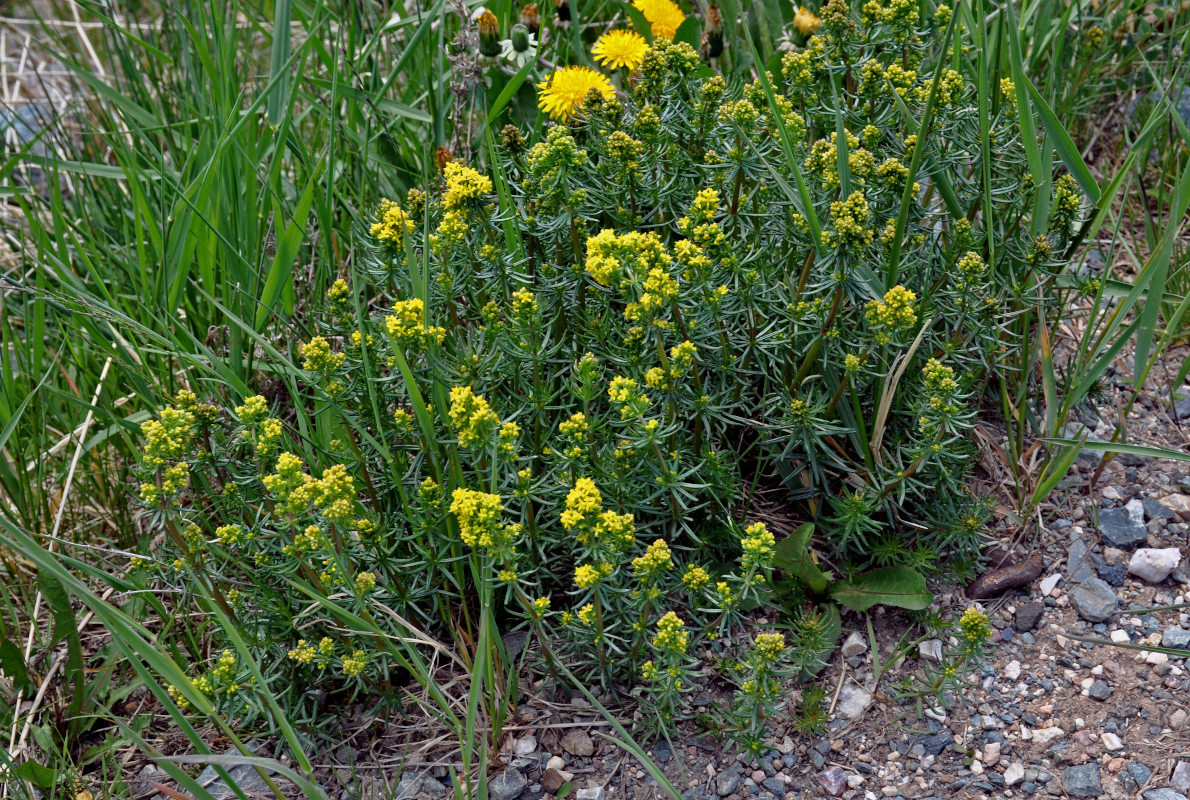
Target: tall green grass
[214, 179]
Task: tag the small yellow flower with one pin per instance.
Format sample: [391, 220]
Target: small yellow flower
[564, 91]
[616, 49]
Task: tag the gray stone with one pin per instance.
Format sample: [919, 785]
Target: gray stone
[854, 646]
[1094, 600]
[935, 743]
[833, 781]
[1155, 509]
[1163, 794]
[1113, 575]
[1180, 779]
[1120, 528]
[1154, 564]
[774, 785]
[853, 701]
[508, 785]
[1078, 562]
[433, 787]
[1138, 772]
[1176, 638]
[592, 793]
[243, 776]
[1028, 615]
[1099, 690]
[1082, 781]
[727, 780]
[578, 743]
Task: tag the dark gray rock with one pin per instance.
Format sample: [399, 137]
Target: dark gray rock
[1028, 616]
[1113, 575]
[508, 785]
[1082, 781]
[1138, 772]
[936, 743]
[728, 780]
[1175, 637]
[1078, 562]
[1099, 691]
[1094, 600]
[1120, 529]
[1155, 509]
[661, 752]
[1163, 794]
[774, 785]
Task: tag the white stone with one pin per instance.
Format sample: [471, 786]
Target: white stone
[1136, 511]
[1048, 584]
[1111, 741]
[1012, 670]
[525, 745]
[1154, 564]
[1014, 773]
[936, 714]
[854, 780]
[1155, 659]
[853, 700]
[1120, 637]
[556, 763]
[1044, 736]
[977, 767]
[1111, 493]
[592, 793]
[930, 650]
[991, 754]
[855, 645]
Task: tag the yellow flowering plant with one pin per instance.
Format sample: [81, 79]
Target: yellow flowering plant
[568, 361]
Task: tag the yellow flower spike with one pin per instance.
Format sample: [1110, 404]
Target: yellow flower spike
[563, 93]
[616, 49]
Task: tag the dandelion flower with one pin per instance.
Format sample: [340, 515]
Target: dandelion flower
[616, 49]
[663, 15]
[563, 93]
[805, 21]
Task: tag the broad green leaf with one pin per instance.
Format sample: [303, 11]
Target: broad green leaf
[888, 586]
[793, 555]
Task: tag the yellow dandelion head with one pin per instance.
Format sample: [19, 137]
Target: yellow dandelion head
[563, 92]
[664, 16]
[616, 49]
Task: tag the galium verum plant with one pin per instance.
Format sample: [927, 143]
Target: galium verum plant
[551, 385]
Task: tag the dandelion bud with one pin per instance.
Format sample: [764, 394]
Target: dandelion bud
[712, 33]
[489, 34]
[520, 38]
[531, 18]
[563, 9]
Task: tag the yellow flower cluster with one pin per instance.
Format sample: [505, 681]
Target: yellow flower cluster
[895, 313]
[974, 626]
[290, 485]
[524, 305]
[850, 218]
[695, 578]
[253, 410]
[355, 663]
[586, 576]
[971, 265]
[473, 419]
[167, 438]
[672, 637]
[233, 534]
[392, 223]
[478, 514]
[365, 582]
[657, 560]
[563, 93]
[758, 546]
[336, 493]
[767, 648]
[659, 290]
[609, 255]
[464, 185]
[627, 394]
[319, 358]
[540, 607]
